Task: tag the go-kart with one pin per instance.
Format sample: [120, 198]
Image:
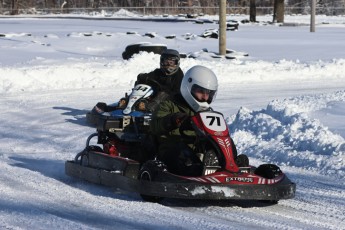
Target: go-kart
[125, 157]
[136, 104]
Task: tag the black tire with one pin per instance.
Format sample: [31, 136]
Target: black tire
[229, 57]
[183, 55]
[132, 49]
[170, 36]
[150, 35]
[157, 49]
[268, 171]
[242, 160]
[214, 35]
[131, 32]
[148, 172]
[126, 56]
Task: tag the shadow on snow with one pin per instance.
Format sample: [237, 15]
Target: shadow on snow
[78, 115]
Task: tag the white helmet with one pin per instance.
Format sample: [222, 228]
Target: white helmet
[199, 79]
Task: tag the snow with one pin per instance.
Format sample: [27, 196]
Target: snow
[284, 104]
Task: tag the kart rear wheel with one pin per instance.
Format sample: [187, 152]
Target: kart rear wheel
[268, 171]
[148, 173]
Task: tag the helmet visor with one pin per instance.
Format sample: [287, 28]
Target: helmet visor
[202, 94]
[170, 64]
[170, 61]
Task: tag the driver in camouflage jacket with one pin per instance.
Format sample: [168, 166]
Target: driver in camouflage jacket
[197, 91]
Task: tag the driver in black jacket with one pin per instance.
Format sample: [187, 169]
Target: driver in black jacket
[165, 80]
[169, 75]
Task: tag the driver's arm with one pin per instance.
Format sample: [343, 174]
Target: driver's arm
[161, 117]
[167, 118]
[141, 79]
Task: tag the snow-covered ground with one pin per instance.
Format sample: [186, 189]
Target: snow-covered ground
[284, 103]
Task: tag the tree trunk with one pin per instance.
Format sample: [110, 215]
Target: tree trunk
[15, 7]
[278, 14]
[252, 11]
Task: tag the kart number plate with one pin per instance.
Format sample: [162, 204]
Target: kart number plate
[213, 121]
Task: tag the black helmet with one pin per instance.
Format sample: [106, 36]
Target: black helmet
[170, 61]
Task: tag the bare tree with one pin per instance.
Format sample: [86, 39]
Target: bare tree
[14, 7]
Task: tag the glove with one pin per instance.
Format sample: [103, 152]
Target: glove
[177, 119]
[122, 102]
[174, 121]
[100, 107]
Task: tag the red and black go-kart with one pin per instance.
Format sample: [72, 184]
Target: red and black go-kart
[127, 161]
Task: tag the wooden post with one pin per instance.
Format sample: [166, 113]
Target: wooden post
[312, 15]
[222, 27]
[252, 11]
